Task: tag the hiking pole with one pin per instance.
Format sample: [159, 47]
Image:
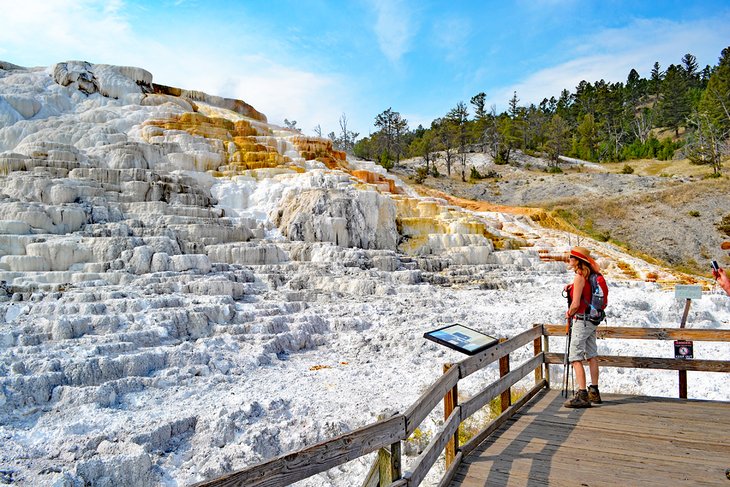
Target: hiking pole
[566, 364]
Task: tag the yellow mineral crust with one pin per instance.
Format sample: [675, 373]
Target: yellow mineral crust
[238, 106]
[413, 227]
[245, 151]
[315, 148]
[378, 180]
[420, 220]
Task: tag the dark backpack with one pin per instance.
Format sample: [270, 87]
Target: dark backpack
[599, 298]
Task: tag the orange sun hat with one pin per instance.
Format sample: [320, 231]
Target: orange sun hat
[584, 254]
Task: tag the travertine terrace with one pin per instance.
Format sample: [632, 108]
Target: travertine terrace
[175, 268]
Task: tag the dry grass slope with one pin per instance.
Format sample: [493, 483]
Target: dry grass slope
[667, 212]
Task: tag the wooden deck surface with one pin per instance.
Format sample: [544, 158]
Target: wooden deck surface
[627, 441]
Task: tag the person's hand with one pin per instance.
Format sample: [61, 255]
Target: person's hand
[722, 279]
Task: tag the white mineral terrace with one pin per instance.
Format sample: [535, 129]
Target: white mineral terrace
[168, 314]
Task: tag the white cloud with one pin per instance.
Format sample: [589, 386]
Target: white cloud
[610, 55]
[393, 27]
[63, 29]
[283, 92]
[97, 31]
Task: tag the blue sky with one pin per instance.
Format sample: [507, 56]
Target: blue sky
[312, 61]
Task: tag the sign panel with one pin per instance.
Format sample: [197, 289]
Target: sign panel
[684, 291]
[683, 349]
[461, 338]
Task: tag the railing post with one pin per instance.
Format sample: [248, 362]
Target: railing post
[538, 349]
[506, 397]
[451, 399]
[683, 373]
[384, 474]
[395, 461]
[546, 349]
[389, 459]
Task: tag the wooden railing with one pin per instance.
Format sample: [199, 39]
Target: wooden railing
[388, 433]
[626, 333]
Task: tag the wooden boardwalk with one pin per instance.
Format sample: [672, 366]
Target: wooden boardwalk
[627, 440]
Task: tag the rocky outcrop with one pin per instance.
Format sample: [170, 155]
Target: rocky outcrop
[364, 219]
[234, 105]
[109, 81]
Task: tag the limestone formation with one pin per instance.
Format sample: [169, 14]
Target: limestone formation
[160, 248]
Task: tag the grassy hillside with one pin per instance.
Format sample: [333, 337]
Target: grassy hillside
[669, 211]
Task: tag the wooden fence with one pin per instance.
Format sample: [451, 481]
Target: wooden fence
[388, 433]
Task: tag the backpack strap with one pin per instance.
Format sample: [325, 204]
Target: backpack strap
[590, 286]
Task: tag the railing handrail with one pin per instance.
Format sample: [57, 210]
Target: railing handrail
[642, 333]
[311, 460]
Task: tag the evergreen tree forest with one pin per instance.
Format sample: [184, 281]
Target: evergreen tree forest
[678, 108]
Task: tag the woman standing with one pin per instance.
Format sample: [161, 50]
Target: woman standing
[583, 332]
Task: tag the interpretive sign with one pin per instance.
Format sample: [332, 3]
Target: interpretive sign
[684, 291]
[461, 338]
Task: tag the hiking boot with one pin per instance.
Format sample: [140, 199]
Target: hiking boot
[593, 395]
[580, 400]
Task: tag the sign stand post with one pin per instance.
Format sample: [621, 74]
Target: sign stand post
[683, 349]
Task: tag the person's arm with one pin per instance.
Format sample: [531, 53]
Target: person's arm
[723, 280]
[578, 284]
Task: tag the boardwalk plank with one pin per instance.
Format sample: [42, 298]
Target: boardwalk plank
[628, 440]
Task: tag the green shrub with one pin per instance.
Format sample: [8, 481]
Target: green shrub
[694, 213]
[651, 149]
[490, 174]
[421, 175]
[385, 160]
[627, 169]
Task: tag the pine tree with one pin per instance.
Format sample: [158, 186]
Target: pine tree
[425, 147]
[477, 101]
[513, 105]
[587, 138]
[689, 67]
[446, 134]
[386, 122]
[459, 116]
[657, 76]
[563, 105]
[480, 118]
[674, 106]
[558, 138]
[715, 101]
